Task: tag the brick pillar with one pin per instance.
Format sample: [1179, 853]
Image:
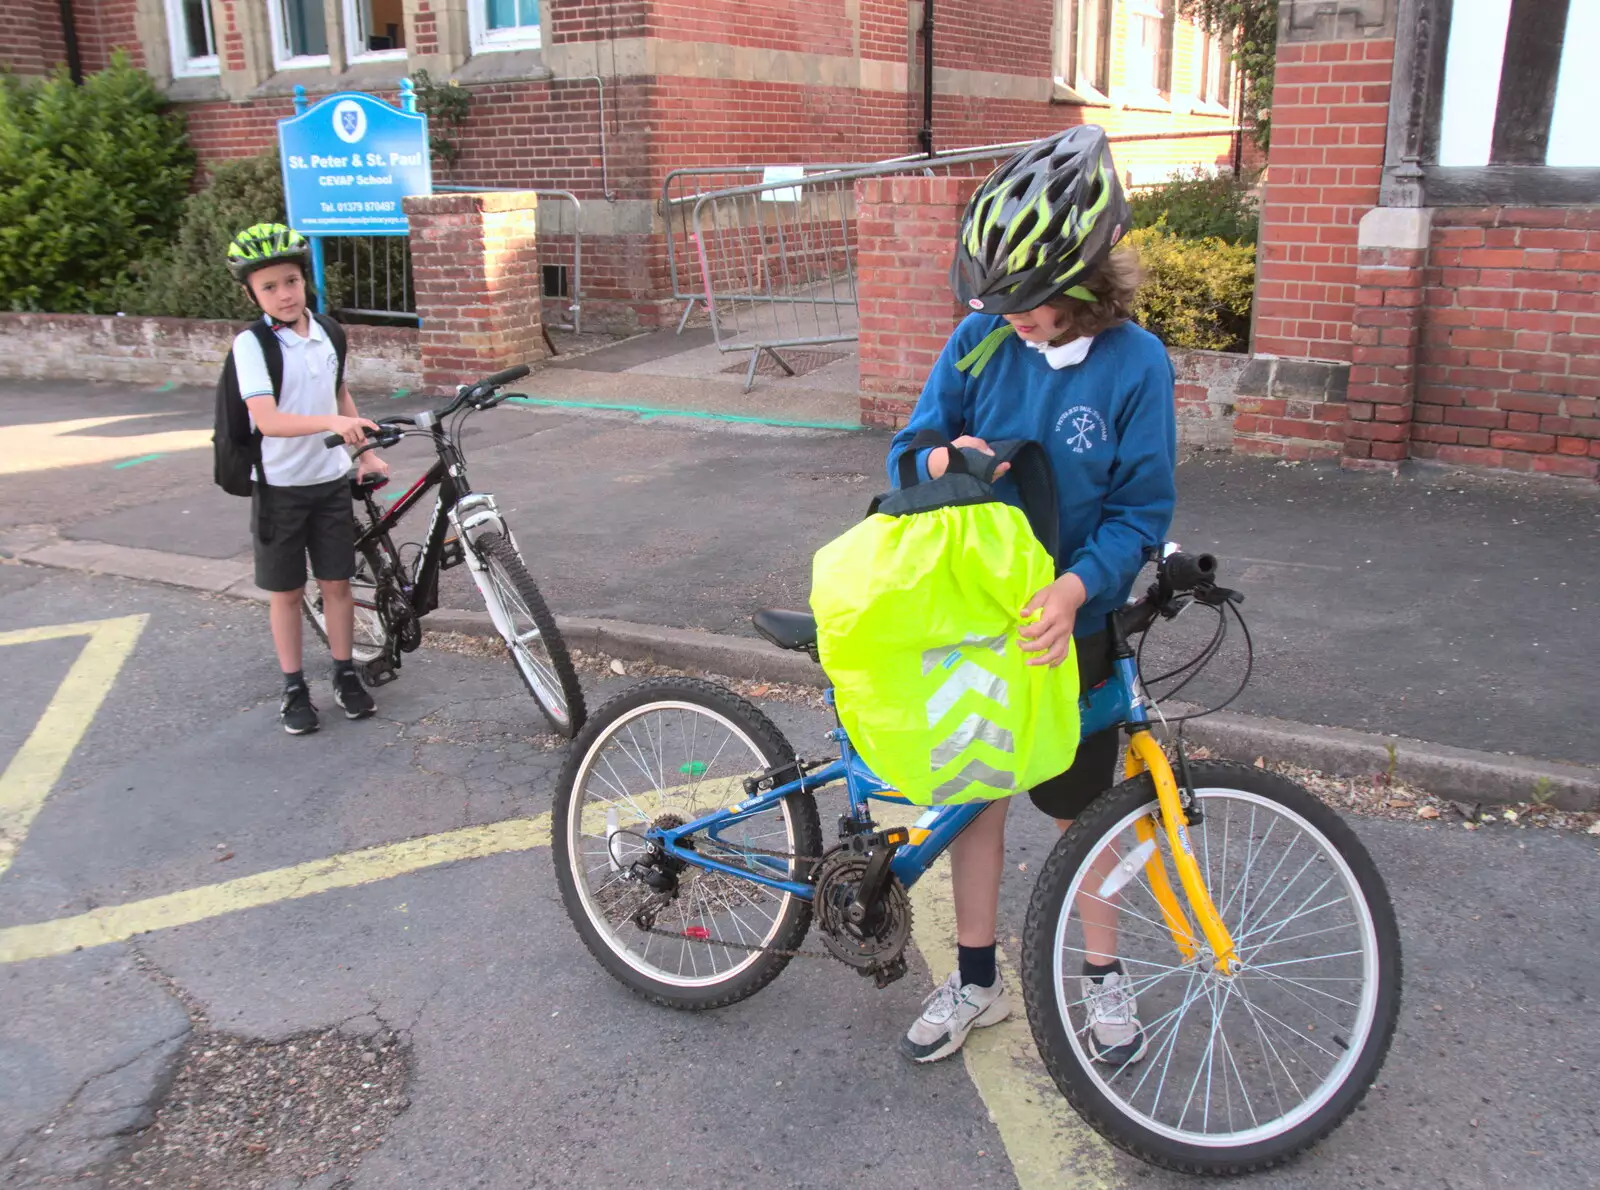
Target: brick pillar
[905, 239]
[475, 259]
[1386, 335]
[1330, 114]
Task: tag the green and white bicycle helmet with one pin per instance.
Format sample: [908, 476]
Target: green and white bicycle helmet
[1039, 222]
[267, 243]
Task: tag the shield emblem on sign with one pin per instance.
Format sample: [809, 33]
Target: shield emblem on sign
[350, 117]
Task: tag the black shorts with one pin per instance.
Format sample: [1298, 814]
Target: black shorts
[286, 524]
[1094, 769]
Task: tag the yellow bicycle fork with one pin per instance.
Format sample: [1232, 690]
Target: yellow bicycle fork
[1145, 755]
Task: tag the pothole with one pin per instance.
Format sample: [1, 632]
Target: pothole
[246, 1114]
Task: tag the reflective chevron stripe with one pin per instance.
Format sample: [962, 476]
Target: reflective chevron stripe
[944, 654]
[978, 773]
[974, 727]
[967, 676]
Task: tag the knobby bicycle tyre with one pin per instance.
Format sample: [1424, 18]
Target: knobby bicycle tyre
[562, 704]
[1067, 1063]
[800, 815]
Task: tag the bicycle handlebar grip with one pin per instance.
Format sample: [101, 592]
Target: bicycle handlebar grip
[332, 440]
[506, 377]
[1187, 571]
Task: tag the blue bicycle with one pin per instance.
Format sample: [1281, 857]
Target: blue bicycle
[691, 859]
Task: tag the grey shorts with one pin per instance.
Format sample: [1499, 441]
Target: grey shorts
[287, 524]
[1094, 769]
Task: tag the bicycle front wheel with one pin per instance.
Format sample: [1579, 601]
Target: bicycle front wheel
[1227, 1072]
[529, 630]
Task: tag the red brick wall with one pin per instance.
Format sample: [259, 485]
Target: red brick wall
[1509, 370]
[905, 238]
[32, 43]
[104, 26]
[1330, 113]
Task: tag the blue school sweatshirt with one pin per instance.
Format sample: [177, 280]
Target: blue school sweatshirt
[1108, 425]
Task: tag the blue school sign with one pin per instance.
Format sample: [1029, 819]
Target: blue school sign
[350, 160]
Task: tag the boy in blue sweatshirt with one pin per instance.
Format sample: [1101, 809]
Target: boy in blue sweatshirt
[1050, 356]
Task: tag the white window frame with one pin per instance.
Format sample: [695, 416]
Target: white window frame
[1214, 58]
[1071, 53]
[283, 57]
[355, 45]
[524, 37]
[184, 66]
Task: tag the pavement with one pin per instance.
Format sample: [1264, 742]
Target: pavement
[1443, 609]
[195, 883]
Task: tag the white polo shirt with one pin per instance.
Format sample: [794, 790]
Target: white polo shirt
[310, 374]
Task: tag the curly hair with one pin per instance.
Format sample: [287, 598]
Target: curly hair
[1115, 281]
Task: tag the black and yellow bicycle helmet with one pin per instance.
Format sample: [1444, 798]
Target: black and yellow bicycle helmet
[267, 243]
[1038, 223]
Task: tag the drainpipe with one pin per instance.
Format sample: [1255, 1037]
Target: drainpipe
[925, 133]
[605, 170]
[69, 34]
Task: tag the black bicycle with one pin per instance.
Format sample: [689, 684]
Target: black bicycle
[392, 593]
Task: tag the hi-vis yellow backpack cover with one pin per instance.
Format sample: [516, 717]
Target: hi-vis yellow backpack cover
[917, 611]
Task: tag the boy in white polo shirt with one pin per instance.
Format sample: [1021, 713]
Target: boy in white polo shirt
[301, 503]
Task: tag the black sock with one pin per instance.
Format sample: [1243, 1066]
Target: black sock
[294, 681]
[976, 964]
[340, 668]
[1098, 971]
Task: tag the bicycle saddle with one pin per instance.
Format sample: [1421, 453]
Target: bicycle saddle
[787, 630]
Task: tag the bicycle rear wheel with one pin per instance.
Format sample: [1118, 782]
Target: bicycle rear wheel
[661, 754]
[529, 630]
[371, 640]
[1238, 1071]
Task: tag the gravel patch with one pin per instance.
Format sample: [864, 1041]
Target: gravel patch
[246, 1114]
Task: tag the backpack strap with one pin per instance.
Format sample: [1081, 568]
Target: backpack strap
[272, 356]
[926, 440]
[341, 346]
[1036, 484]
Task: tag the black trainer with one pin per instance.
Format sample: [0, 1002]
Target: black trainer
[350, 694]
[297, 712]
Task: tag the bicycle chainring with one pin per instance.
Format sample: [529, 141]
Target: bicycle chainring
[877, 946]
[399, 618]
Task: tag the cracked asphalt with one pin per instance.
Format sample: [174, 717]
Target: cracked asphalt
[528, 1066]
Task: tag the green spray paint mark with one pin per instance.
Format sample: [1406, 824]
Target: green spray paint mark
[649, 412]
[135, 462]
[695, 768]
[168, 386]
[398, 393]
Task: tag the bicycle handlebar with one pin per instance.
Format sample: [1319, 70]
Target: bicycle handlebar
[1185, 572]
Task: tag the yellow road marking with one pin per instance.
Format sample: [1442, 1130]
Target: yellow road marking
[33, 771]
[1050, 1147]
[41, 446]
[117, 923]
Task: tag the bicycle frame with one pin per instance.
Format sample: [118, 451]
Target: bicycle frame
[442, 475]
[1117, 701]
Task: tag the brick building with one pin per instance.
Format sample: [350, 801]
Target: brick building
[1431, 233]
[605, 99]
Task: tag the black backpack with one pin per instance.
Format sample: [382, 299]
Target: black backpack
[969, 479]
[235, 444]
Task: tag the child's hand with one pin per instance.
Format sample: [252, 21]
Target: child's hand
[939, 458]
[1051, 634]
[352, 429]
[371, 464]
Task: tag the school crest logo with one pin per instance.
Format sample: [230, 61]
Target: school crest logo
[349, 121]
[1083, 428]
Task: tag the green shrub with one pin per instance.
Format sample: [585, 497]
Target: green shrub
[1196, 293]
[1197, 205]
[91, 178]
[189, 278]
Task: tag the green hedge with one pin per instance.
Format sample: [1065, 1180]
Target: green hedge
[1197, 205]
[189, 278]
[1196, 292]
[91, 178]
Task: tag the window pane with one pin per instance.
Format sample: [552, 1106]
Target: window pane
[383, 25]
[197, 29]
[303, 28]
[1091, 33]
[512, 14]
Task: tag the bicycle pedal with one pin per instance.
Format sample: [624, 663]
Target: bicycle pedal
[883, 976]
[379, 674]
[451, 554]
